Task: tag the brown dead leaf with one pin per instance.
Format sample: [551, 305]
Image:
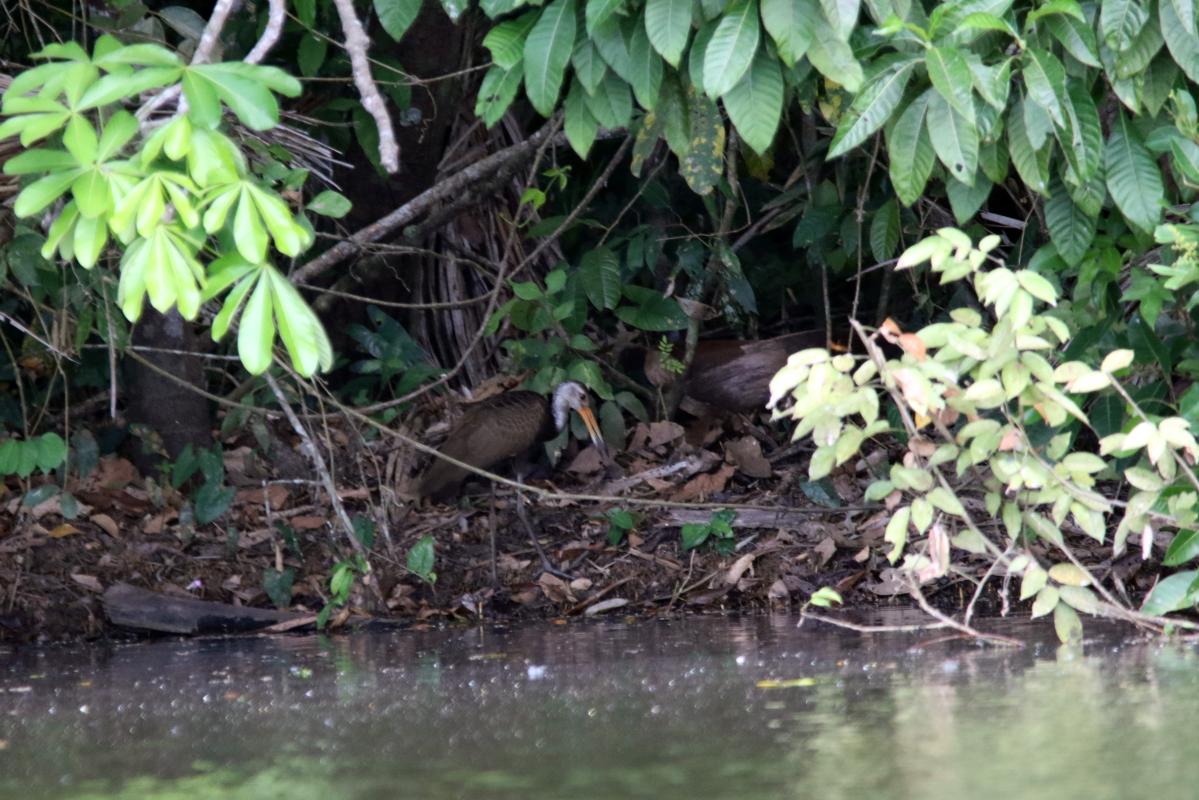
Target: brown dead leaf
[705, 485]
[862, 555]
[1010, 440]
[739, 568]
[922, 446]
[826, 550]
[156, 523]
[889, 584]
[605, 605]
[890, 330]
[555, 589]
[307, 523]
[913, 346]
[746, 453]
[587, 462]
[274, 493]
[106, 524]
[664, 432]
[88, 582]
[778, 591]
[114, 473]
[580, 584]
[65, 529]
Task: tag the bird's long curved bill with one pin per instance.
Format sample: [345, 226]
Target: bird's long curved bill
[593, 431]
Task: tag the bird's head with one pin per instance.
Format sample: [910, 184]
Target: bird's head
[573, 395]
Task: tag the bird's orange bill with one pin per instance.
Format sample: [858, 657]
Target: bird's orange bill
[593, 431]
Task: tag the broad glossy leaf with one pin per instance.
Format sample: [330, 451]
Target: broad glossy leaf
[589, 66]
[1171, 594]
[1132, 61]
[842, 15]
[497, 92]
[884, 231]
[599, 12]
[1076, 37]
[951, 77]
[506, 41]
[965, 200]
[954, 139]
[1032, 164]
[1082, 137]
[647, 67]
[612, 102]
[731, 51]
[1182, 43]
[703, 165]
[695, 56]
[612, 41]
[790, 24]
[1070, 229]
[910, 151]
[256, 330]
[599, 273]
[755, 104]
[668, 23]
[580, 127]
[871, 108]
[1132, 175]
[301, 331]
[1046, 81]
[397, 16]
[1120, 21]
[547, 52]
[834, 58]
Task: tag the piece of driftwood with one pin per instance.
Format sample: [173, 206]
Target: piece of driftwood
[131, 607]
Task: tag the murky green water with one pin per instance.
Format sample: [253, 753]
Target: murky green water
[664, 710]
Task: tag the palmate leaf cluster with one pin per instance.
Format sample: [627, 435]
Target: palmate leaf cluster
[993, 405]
[180, 201]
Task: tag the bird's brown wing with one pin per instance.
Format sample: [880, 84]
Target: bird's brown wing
[489, 433]
[736, 375]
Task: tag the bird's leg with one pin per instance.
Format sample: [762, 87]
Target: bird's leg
[495, 580]
[523, 514]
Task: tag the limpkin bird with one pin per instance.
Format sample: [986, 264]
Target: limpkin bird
[732, 374]
[509, 426]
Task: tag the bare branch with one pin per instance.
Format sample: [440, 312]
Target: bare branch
[356, 45]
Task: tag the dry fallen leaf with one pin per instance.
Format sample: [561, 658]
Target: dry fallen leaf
[826, 549]
[105, 523]
[587, 462]
[778, 591]
[65, 529]
[88, 582]
[913, 346]
[746, 453]
[705, 485]
[307, 523]
[114, 473]
[605, 605]
[664, 432]
[555, 588]
[738, 569]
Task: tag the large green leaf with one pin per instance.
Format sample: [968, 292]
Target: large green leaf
[506, 41]
[599, 273]
[695, 56]
[732, 48]
[834, 58]
[497, 92]
[755, 104]
[1120, 21]
[1136, 58]
[547, 51]
[1182, 43]
[611, 104]
[646, 69]
[951, 77]
[1070, 229]
[668, 23]
[1031, 163]
[790, 24]
[954, 139]
[1132, 176]
[674, 113]
[910, 151]
[1082, 137]
[1046, 81]
[396, 16]
[842, 15]
[965, 200]
[599, 12]
[1077, 38]
[871, 108]
[884, 231]
[613, 44]
[589, 65]
[579, 125]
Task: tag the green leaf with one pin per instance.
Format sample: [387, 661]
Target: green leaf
[731, 51]
[1183, 548]
[421, 558]
[652, 311]
[1082, 137]
[1032, 164]
[547, 51]
[842, 15]
[755, 104]
[278, 585]
[911, 151]
[612, 103]
[668, 23]
[954, 139]
[871, 109]
[695, 56]
[966, 200]
[589, 65]
[834, 58]
[506, 41]
[330, 204]
[790, 25]
[1184, 10]
[1171, 594]
[1066, 624]
[256, 332]
[42, 192]
[599, 12]
[951, 77]
[1182, 42]
[694, 534]
[1070, 229]
[497, 92]
[1077, 38]
[212, 501]
[599, 273]
[1120, 21]
[310, 55]
[1131, 62]
[299, 327]
[613, 44]
[580, 126]
[884, 231]
[1046, 81]
[51, 450]
[1132, 176]
[646, 68]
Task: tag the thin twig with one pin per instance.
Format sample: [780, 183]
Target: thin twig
[356, 45]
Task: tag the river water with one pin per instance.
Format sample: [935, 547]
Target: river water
[709, 707]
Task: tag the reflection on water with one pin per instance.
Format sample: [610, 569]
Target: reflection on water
[669, 709]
